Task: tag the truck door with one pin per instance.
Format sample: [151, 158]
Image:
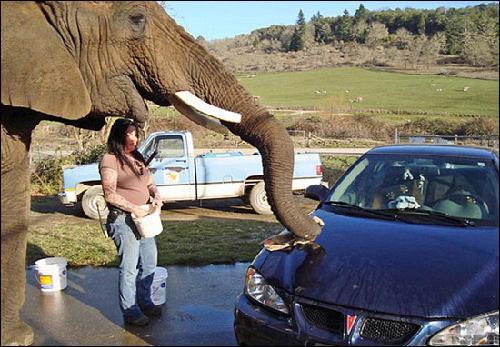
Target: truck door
[171, 167]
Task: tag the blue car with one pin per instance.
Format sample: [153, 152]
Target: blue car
[408, 255]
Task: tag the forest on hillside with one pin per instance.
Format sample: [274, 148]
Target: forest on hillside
[404, 38]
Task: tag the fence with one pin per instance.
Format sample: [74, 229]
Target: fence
[481, 140]
[299, 133]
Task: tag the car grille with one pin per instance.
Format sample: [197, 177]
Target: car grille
[324, 318]
[387, 331]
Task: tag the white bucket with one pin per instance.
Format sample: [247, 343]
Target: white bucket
[149, 225]
[51, 273]
[159, 286]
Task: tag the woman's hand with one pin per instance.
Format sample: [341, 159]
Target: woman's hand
[157, 202]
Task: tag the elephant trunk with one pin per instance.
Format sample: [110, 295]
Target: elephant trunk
[276, 148]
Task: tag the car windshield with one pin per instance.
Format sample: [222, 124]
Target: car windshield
[459, 187]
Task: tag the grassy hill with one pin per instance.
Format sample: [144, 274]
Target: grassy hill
[379, 90]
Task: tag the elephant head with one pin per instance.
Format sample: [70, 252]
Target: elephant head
[78, 62]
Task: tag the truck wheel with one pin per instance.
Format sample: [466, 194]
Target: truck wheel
[93, 197]
[258, 199]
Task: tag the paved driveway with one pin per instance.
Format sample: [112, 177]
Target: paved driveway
[198, 310]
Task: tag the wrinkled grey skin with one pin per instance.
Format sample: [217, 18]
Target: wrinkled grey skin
[78, 62]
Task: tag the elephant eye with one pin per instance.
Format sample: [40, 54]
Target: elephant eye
[137, 19]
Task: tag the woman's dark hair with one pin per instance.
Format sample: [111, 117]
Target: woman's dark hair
[116, 143]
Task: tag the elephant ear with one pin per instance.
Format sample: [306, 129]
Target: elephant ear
[37, 70]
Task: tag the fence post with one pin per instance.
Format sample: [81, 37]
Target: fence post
[456, 138]
[396, 136]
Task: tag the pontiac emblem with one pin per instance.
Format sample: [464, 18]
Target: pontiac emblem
[350, 320]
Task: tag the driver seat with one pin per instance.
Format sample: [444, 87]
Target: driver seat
[459, 201]
[462, 205]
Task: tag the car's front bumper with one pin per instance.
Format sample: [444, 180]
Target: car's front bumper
[67, 197]
[255, 325]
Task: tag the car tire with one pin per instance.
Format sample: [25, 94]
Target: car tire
[258, 199]
[93, 197]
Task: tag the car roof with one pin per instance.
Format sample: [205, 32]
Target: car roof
[430, 149]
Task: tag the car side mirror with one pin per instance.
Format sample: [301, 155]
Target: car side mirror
[316, 192]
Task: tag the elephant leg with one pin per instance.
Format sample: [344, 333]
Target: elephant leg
[14, 331]
[15, 191]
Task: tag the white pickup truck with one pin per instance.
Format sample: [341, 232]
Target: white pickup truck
[180, 175]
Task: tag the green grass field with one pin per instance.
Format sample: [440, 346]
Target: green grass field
[387, 91]
[205, 241]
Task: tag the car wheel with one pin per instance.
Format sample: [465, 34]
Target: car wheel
[258, 199]
[93, 199]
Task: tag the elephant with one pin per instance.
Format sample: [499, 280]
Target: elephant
[79, 62]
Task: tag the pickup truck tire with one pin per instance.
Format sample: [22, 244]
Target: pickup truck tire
[258, 199]
[94, 196]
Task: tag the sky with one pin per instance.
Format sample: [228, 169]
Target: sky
[223, 19]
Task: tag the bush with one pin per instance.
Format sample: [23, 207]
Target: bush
[427, 126]
[311, 124]
[432, 126]
[91, 155]
[46, 178]
[478, 126]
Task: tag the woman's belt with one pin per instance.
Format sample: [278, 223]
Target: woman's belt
[116, 210]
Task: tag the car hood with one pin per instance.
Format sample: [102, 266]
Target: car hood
[392, 267]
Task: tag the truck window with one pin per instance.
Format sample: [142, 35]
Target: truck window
[171, 147]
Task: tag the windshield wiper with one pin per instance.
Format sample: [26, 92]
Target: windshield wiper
[357, 208]
[429, 213]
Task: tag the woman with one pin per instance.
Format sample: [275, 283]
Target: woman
[128, 184]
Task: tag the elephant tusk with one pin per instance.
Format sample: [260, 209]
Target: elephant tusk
[202, 107]
[197, 117]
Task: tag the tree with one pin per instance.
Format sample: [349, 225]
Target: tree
[377, 34]
[321, 29]
[403, 38]
[430, 54]
[301, 21]
[298, 38]
[423, 51]
[480, 42]
[435, 22]
[273, 38]
[361, 14]
[316, 17]
[360, 31]
[421, 24]
[454, 31]
[322, 33]
[343, 28]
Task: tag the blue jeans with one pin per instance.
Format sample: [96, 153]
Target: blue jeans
[137, 266]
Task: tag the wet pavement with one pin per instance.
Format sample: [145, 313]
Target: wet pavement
[198, 310]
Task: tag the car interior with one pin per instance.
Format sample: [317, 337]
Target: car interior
[463, 190]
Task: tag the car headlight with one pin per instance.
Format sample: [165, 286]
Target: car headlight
[257, 288]
[480, 330]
